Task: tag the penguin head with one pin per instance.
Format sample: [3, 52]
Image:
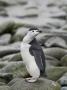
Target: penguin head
[31, 34]
[34, 31]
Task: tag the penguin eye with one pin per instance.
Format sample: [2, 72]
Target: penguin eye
[32, 31]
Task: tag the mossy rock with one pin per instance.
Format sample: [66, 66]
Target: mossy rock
[55, 52]
[12, 57]
[63, 80]
[7, 27]
[41, 84]
[4, 87]
[64, 61]
[55, 73]
[17, 69]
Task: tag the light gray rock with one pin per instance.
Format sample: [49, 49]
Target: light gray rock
[41, 38]
[12, 48]
[56, 41]
[55, 52]
[64, 88]
[3, 11]
[41, 84]
[20, 12]
[12, 57]
[5, 39]
[51, 61]
[20, 33]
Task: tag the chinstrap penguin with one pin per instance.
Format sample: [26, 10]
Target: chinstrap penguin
[32, 55]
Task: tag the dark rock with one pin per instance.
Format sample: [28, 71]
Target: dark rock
[6, 77]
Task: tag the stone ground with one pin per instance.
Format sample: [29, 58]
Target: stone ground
[16, 17]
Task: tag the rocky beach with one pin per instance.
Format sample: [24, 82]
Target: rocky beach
[16, 17]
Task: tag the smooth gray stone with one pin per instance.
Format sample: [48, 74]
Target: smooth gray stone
[12, 2]
[9, 49]
[12, 57]
[63, 80]
[6, 26]
[55, 52]
[51, 61]
[41, 84]
[55, 41]
[55, 73]
[64, 60]
[4, 87]
[11, 66]
[20, 33]
[20, 12]
[5, 39]
[64, 88]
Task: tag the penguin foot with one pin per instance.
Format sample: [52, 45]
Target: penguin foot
[31, 80]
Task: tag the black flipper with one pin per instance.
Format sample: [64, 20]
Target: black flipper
[39, 58]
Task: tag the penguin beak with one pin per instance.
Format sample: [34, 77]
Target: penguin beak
[40, 31]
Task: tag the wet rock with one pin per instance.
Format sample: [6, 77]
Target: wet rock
[12, 57]
[64, 61]
[55, 73]
[5, 39]
[55, 41]
[20, 33]
[63, 80]
[41, 84]
[55, 52]
[64, 88]
[12, 48]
